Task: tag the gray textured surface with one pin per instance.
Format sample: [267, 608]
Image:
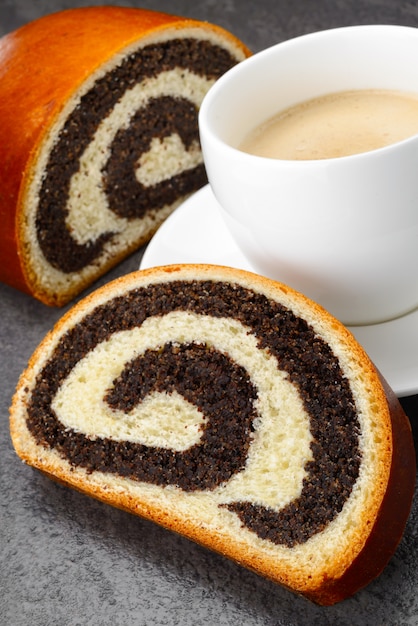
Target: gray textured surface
[70, 561]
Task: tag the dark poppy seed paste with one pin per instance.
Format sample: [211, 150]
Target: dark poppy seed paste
[223, 391]
[159, 118]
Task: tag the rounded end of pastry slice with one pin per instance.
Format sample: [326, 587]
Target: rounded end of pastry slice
[99, 109]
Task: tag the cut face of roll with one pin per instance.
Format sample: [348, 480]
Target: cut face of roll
[233, 410]
[98, 125]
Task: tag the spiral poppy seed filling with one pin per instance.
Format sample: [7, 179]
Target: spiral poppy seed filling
[159, 118]
[223, 391]
[187, 369]
[126, 196]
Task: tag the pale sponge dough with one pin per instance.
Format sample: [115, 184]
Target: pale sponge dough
[233, 410]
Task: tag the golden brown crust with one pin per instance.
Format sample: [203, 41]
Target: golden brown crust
[387, 511]
[392, 516]
[42, 64]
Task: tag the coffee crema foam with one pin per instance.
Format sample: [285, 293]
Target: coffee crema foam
[336, 125]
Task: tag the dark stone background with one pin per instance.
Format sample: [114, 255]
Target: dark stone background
[68, 560]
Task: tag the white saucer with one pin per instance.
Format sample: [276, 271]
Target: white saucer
[196, 233]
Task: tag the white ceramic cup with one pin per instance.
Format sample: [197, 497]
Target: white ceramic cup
[342, 231]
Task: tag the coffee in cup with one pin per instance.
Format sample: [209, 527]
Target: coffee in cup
[343, 231]
[336, 125]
